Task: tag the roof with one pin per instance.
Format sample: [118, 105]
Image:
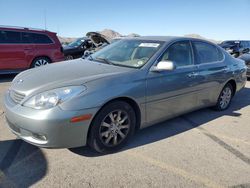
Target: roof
[18, 28]
[167, 39]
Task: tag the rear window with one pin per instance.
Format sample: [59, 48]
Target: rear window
[40, 38]
[11, 37]
[207, 53]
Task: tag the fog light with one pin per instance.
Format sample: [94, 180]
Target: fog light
[39, 137]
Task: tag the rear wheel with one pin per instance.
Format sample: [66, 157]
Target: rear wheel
[225, 98]
[40, 61]
[112, 127]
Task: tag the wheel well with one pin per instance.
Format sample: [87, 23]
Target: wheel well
[233, 83]
[40, 57]
[132, 103]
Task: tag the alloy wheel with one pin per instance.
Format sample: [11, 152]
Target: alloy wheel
[41, 62]
[225, 97]
[114, 128]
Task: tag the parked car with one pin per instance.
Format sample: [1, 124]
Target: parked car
[246, 58]
[24, 48]
[77, 48]
[236, 48]
[99, 41]
[128, 85]
[85, 46]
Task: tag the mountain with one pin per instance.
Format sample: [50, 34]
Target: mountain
[66, 40]
[111, 34]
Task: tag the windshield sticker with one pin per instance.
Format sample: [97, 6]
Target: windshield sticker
[149, 45]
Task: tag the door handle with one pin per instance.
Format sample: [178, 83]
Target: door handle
[192, 75]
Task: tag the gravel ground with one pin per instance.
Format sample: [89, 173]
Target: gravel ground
[200, 149]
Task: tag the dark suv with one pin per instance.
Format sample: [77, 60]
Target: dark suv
[236, 48]
[76, 48]
[23, 48]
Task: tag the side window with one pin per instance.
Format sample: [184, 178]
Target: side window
[207, 53]
[40, 39]
[26, 38]
[10, 37]
[180, 53]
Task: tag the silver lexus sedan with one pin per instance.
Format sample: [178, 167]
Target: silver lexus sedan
[129, 85]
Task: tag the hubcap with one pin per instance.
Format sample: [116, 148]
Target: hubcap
[114, 128]
[41, 62]
[225, 97]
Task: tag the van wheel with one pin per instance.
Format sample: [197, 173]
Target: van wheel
[225, 98]
[112, 127]
[40, 61]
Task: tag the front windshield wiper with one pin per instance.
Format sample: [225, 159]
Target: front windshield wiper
[104, 60]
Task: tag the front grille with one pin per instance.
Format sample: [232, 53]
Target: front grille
[16, 96]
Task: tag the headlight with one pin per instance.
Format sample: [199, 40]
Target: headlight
[54, 97]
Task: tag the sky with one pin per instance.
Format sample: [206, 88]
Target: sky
[213, 19]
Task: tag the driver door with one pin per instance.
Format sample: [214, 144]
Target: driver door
[170, 93]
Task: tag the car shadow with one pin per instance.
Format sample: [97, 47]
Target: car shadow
[177, 125]
[21, 164]
[7, 77]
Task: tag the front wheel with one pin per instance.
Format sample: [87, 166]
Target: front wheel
[112, 127]
[225, 98]
[69, 57]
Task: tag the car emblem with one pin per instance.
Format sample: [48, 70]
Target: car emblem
[19, 81]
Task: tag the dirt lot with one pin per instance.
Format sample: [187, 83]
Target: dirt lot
[200, 149]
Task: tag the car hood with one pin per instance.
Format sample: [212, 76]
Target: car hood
[75, 72]
[97, 38]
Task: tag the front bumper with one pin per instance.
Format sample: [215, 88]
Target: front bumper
[47, 128]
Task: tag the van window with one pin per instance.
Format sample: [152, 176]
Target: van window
[40, 38]
[26, 38]
[207, 53]
[10, 37]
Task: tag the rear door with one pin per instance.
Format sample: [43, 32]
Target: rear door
[12, 50]
[212, 72]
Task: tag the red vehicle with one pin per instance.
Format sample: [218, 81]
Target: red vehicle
[24, 48]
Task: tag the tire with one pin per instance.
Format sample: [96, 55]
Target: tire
[40, 61]
[110, 129]
[225, 98]
[69, 57]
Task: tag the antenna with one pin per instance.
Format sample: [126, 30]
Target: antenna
[45, 20]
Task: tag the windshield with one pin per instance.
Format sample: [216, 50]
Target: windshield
[76, 43]
[129, 53]
[231, 43]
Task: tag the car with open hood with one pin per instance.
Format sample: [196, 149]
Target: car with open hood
[237, 47]
[246, 57]
[126, 86]
[85, 45]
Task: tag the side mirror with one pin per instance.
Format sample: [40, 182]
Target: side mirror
[164, 66]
